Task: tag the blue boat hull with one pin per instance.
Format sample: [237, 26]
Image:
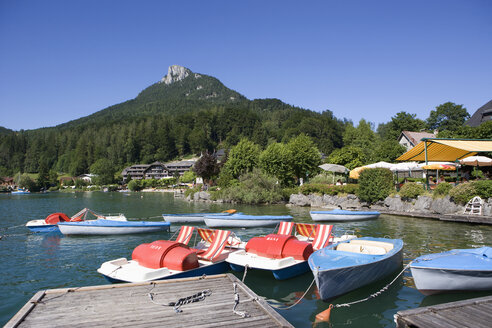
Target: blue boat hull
[282, 274]
[109, 227]
[216, 268]
[44, 228]
[336, 281]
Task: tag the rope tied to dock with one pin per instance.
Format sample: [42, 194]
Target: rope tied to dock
[242, 314]
[197, 297]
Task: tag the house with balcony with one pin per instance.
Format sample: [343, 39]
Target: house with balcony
[156, 170]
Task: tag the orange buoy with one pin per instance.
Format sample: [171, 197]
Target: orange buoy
[325, 315]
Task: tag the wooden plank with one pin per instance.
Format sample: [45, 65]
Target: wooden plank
[129, 305]
[477, 316]
[25, 310]
[466, 313]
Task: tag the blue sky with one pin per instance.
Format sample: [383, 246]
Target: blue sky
[61, 60]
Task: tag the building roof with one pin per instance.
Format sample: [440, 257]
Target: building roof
[181, 163]
[483, 114]
[415, 137]
[446, 149]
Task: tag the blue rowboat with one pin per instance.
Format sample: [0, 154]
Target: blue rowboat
[343, 267]
[343, 215]
[453, 271]
[111, 227]
[245, 221]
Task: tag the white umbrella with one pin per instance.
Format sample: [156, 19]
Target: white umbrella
[384, 165]
[334, 168]
[406, 167]
[477, 161]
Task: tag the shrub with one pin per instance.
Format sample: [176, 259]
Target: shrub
[286, 192]
[442, 189]
[483, 188]
[134, 185]
[191, 191]
[317, 188]
[411, 190]
[375, 184]
[349, 188]
[253, 188]
[462, 193]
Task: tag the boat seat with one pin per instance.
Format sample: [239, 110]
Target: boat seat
[362, 249]
[387, 246]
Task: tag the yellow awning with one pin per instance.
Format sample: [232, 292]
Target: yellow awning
[446, 149]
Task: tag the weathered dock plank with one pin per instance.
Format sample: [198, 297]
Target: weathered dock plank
[468, 313]
[460, 218]
[130, 305]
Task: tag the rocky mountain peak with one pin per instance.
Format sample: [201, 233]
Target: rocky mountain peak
[175, 73]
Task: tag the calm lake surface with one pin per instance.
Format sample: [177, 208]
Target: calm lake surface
[31, 262]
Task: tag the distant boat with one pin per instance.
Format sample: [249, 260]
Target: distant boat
[240, 220]
[343, 267]
[20, 191]
[457, 270]
[193, 217]
[110, 227]
[50, 223]
[167, 259]
[343, 215]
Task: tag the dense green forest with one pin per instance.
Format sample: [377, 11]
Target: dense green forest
[198, 113]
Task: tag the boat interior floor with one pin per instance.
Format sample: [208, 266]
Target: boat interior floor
[365, 247]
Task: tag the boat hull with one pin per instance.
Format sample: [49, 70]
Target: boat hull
[458, 270]
[339, 280]
[215, 268]
[279, 274]
[41, 226]
[107, 227]
[244, 221]
[437, 281]
[189, 217]
[341, 215]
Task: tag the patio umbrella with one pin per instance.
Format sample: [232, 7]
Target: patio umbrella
[406, 167]
[334, 168]
[384, 165]
[444, 167]
[354, 174]
[477, 161]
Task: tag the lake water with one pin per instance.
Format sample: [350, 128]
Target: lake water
[31, 262]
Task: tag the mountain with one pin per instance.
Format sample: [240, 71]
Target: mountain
[179, 91]
[5, 131]
[184, 113]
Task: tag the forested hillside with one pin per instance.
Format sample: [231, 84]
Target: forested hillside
[165, 121]
[188, 113]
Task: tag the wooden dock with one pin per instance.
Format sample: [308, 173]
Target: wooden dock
[146, 305]
[463, 218]
[476, 313]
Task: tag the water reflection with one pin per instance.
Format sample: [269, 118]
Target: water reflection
[50, 244]
[35, 261]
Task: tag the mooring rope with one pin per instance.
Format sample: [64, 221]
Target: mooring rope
[197, 297]
[242, 314]
[379, 292]
[17, 226]
[245, 272]
[300, 299]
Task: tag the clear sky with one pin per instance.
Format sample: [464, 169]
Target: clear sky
[61, 60]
